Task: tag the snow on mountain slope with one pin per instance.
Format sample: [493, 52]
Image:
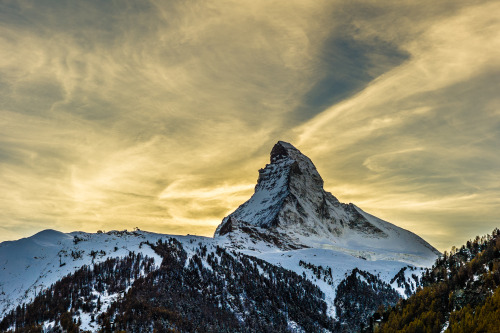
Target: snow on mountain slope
[31, 264]
[291, 221]
[340, 264]
[291, 209]
[34, 263]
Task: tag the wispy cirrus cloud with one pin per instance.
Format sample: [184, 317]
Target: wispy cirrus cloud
[419, 141]
[105, 106]
[158, 114]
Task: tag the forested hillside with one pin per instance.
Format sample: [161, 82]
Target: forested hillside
[214, 290]
[461, 293]
[78, 296]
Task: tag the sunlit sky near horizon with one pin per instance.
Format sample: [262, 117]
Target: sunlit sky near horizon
[158, 114]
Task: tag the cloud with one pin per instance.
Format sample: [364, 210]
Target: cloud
[106, 105]
[418, 142]
[158, 114]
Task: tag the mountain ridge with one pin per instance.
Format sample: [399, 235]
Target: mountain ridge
[290, 203]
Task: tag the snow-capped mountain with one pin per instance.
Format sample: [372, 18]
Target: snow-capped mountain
[290, 209]
[291, 229]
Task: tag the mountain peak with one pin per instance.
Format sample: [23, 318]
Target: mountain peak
[289, 192]
[285, 153]
[290, 175]
[291, 209]
[282, 150]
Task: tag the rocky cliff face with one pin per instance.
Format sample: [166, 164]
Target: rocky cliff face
[291, 209]
[289, 193]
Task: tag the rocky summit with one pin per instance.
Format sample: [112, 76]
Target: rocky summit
[291, 209]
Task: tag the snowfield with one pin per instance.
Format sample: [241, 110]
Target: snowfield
[31, 264]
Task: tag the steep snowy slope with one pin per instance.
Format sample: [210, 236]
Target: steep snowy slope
[291, 210]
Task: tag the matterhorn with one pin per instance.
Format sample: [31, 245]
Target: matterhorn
[291, 210]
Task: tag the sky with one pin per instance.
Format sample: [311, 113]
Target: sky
[158, 114]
